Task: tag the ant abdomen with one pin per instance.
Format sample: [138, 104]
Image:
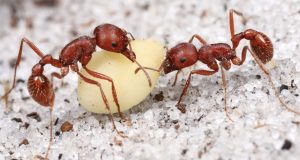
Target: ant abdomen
[40, 89]
[262, 46]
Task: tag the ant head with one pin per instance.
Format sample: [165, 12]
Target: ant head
[181, 56]
[111, 38]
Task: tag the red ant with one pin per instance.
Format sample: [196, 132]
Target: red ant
[107, 36]
[185, 54]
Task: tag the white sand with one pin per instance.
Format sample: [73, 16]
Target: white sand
[204, 131]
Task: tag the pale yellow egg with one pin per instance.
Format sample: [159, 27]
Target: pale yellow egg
[131, 88]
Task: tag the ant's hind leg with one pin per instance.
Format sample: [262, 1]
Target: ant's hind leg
[231, 20]
[265, 70]
[35, 49]
[6, 88]
[51, 132]
[51, 138]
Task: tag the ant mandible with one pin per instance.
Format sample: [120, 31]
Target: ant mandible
[184, 55]
[106, 36]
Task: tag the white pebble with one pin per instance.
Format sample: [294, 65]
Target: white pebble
[148, 115]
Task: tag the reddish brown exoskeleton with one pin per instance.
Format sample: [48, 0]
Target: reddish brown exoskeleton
[219, 55]
[107, 36]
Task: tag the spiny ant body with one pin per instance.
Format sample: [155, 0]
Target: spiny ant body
[219, 55]
[80, 50]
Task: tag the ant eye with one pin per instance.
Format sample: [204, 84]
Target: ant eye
[182, 59]
[114, 44]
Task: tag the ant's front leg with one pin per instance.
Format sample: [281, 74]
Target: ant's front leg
[176, 77]
[199, 72]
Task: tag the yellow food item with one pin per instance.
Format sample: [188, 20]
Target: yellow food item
[131, 88]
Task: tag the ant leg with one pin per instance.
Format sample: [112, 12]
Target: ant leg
[176, 77]
[128, 33]
[235, 38]
[161, 67]
[64, 72]
[265, 70]
[35, 49]
[48, 59]
[225, 64]
[201, 40]
[87, 80]
[131, 36]
[152, 69]
[113, 88]
[51, 132]
[6, 88]
[238, 61]
[187, 83]
[140, 66]
[225, 93]
[231, 20]
[58, 76]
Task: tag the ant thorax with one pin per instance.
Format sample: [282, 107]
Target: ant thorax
[209, 53]
[76, 49]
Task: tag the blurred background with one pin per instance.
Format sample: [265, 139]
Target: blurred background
[263, 129]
